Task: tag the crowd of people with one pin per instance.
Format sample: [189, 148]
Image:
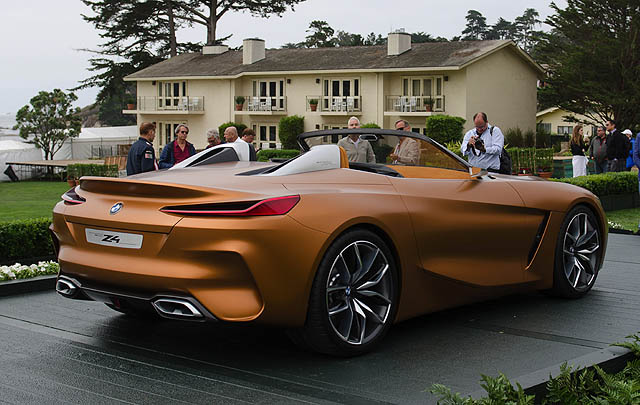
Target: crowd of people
[610, 149]
[142, 156]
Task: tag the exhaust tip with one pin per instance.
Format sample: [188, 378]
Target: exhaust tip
[176, 308]
[66, 288]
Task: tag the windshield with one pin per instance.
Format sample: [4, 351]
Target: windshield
[386, 147]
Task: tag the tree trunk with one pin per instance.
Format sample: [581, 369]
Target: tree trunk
[213, 20]
[172, 31]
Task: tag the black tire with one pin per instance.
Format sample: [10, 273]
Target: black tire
[353, 300]
[578, 255]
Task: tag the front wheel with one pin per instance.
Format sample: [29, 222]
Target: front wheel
[353, 298]
[579, 254]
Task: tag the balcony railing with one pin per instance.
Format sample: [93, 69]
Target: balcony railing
[414, 104]
[170, 104]
[260, 105]
[337, 104]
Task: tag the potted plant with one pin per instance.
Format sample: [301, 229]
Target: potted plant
[428, 103]
[239, 102]
[313, 104]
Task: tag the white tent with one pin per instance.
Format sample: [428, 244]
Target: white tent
[97, 142]
[17, 151]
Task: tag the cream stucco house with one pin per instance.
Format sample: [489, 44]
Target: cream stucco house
[552, 120]
[375, 83]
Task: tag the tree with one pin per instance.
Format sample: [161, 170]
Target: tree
[502, 29]
[593, 60]
[344, 38]
[320, 35]
[525, 32]
[49, 121]
[476, 27]
[209, 12]
[372, 39]
[421, 37]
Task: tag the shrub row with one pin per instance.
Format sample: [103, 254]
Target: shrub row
[606, 184]
[25, 239]
[78, 170]
[266, 154]
[288, 130]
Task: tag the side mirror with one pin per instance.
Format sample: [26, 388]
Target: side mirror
[477, 173]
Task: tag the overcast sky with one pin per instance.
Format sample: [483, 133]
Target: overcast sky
[41, 39]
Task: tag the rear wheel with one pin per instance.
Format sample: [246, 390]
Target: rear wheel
[354, 296]
[578, 254]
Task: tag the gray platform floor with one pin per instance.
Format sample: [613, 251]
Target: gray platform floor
[54, 350]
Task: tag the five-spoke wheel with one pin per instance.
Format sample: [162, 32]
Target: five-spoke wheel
[353, 298]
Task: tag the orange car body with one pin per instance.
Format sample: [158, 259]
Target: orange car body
[455, 238]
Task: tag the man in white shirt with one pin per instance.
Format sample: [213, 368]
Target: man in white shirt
[483, 144]
[358, 150]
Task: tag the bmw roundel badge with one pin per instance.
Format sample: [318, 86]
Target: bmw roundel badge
[116, 208]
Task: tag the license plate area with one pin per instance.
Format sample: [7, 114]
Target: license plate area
[114, 239]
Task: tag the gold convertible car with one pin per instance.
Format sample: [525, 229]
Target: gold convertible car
[333, 250]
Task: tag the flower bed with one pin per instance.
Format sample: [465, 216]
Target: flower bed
[21, 271]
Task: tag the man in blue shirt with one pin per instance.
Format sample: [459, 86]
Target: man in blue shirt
[483, 144]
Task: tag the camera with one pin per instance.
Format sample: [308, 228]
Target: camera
[479, 145]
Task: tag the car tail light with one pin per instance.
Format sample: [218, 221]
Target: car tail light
[72, 198]
[270, 206]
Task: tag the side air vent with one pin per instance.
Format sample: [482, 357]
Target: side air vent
[538, 238]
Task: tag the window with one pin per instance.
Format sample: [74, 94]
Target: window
[346, 90]
[172, 95]
[544, 127]
[565, 129]
[427, 92]
[267, 135]
[270, 92]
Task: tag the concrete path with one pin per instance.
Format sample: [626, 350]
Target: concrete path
[54, 350]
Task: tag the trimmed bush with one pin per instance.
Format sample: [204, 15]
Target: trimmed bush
[239, 127]
[288, 129]
[76, 171]
[370, 125]
[606, 184]
[265, 154]
[445, 128]
[25, 239]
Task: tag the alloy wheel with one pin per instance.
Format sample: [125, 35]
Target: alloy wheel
[359, 292]
[580, 250]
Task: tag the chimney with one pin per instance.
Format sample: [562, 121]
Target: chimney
[214, 49]
[252, 50]
[398, 42]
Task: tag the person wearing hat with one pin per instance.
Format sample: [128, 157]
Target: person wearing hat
[631, 142]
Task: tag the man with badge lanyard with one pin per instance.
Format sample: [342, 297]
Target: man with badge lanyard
[142, 157]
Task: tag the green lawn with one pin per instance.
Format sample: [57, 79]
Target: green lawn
[29, 199]
[629, 219]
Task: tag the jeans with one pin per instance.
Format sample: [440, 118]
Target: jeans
[617, 165]
[601, 167]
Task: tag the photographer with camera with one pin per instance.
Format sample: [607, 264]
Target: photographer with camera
[483, 144]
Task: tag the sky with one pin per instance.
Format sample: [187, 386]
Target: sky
[42, 40]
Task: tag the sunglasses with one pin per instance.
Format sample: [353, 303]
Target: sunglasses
[183, 132]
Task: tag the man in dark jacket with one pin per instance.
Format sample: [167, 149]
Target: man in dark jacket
[616, 148]
[177, 150]
[142, 157]
[598, 150]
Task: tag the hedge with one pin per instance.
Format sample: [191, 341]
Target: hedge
[445, 128]
[288, 130]
[370, 125]
[265, 154]
[606, 184]
[239, 127]
[78, 170]
[27, 238]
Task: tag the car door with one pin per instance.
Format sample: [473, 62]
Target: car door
[477, 231]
